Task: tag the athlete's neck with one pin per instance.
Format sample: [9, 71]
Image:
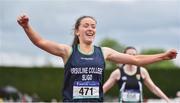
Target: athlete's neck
[87, 49]
[130, 69]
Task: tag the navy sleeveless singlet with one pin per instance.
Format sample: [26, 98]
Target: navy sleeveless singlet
[83, 76]
[130, 86]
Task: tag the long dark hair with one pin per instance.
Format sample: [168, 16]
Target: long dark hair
[76, 27]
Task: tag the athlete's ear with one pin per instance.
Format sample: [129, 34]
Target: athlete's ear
[77, 33]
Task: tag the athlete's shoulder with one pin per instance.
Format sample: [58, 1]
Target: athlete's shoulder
[144, 72]
[143, 69]
[106, 48]
[106, 51]
[116, 74]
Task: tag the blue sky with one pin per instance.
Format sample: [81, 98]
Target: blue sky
[139, 23]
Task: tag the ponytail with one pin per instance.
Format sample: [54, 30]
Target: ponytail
[76, 40]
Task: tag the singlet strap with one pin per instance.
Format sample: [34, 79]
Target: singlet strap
[139, 72]
[72, 52]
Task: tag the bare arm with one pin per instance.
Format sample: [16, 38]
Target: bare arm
[115, 75]
[152, 87]
[112, 55]
[61, 50]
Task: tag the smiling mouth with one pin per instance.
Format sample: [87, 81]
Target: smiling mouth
[90, 33]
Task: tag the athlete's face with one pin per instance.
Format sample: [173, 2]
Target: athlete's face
[87, 30]
[131, 52]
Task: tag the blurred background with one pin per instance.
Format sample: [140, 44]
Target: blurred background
[29, 74]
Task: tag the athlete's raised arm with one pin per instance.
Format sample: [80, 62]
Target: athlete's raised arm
[54, 48]
[121, 58]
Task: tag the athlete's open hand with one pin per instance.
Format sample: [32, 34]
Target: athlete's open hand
[23, 20]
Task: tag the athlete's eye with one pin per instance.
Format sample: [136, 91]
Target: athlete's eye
[93, 26]
[86, 25]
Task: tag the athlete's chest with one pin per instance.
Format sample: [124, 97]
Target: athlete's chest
[93, 60]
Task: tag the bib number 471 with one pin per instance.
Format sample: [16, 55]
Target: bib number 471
[86, 91]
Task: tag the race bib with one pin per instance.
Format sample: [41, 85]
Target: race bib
[130, 96]
[87, 89]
